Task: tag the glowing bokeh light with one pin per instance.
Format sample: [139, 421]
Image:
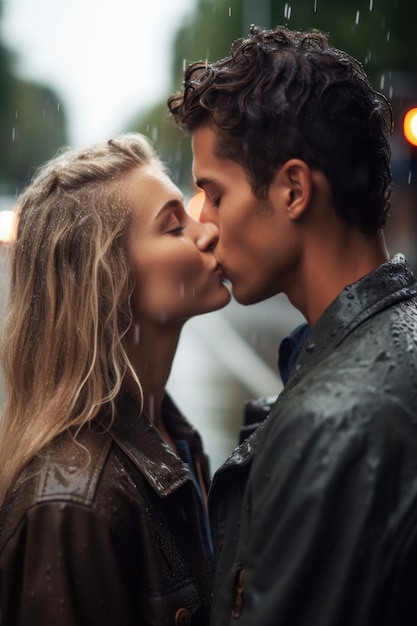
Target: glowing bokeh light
[410, 126]
[195, 205]
[7, 226]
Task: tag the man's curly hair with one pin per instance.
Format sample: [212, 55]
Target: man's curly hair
[285, 94]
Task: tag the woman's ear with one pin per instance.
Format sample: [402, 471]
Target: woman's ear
[294, 184]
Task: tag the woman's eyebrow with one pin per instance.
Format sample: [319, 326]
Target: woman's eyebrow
[171, 204]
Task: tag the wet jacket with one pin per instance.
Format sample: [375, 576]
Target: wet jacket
[116, 541]
[315, 515]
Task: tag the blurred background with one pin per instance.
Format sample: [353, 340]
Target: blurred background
[76, 71]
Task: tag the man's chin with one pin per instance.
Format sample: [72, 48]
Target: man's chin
[245, 297]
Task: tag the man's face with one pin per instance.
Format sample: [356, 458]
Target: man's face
[254, 246]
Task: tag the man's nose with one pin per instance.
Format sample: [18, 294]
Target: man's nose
[208, 213]
[208, 237]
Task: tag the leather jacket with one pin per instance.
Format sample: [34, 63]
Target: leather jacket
[315, 515]
[116, 540]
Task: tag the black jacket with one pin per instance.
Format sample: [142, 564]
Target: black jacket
[317, 510]
[115, 542]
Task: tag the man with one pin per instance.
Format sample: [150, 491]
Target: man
[316, 512]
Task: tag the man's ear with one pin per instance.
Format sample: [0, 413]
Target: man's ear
[294, 184]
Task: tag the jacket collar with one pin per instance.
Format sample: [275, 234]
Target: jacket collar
[137, 436]
[389, 283]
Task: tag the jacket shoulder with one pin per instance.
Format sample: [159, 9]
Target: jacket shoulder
[67, 470]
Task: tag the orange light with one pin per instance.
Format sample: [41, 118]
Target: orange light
[195, 205]
[8, 226]
[410, 126]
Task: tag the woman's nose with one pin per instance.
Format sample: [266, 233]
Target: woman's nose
[208, 236]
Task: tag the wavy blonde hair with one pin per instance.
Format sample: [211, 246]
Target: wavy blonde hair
[62, 347]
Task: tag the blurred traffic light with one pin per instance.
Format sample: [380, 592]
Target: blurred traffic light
[410, 126]
[401, 90]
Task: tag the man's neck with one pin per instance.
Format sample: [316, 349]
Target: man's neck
[329, 266]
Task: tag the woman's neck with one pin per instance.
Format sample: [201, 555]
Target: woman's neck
[151, 351]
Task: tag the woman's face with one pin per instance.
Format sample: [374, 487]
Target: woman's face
[176, 274]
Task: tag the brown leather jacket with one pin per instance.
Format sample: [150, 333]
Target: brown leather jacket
[116, 542]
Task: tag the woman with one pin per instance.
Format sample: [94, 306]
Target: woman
[102, 518]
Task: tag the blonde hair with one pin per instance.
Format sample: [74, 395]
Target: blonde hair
[69, 304]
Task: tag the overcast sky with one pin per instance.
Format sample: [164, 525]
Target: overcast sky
[106, 59]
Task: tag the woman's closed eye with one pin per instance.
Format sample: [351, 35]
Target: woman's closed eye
[174, 224]
[176, 230]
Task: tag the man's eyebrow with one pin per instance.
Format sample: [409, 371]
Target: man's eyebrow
[204, 182]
